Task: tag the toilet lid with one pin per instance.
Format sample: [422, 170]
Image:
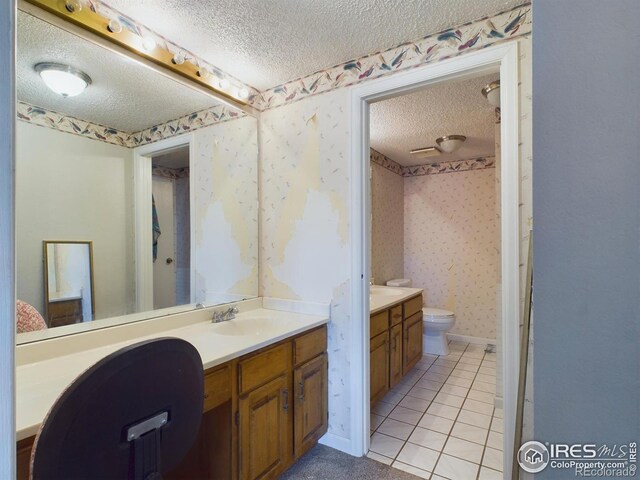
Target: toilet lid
[435, 313]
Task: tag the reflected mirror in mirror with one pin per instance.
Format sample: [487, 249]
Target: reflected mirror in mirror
[159, 176]
[68, 281]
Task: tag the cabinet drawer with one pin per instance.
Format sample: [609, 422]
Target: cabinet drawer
[412, 306]
[379, 323]
[309, 345]
[259, 369]
[396, 315]
[217, 387]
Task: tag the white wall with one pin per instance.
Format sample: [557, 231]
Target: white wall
[387, 224]
[450, 233]
[72, 188]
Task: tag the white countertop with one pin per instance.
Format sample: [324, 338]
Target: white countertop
[377, 303]
[40, 383]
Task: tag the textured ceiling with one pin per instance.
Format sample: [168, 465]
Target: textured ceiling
[124, 95]
[266, 43]
[415, 120]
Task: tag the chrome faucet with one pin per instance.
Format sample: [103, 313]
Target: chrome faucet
[224, 315]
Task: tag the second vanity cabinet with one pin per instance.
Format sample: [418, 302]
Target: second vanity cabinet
[395, 345]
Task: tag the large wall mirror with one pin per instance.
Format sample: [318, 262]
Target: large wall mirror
[154, 180]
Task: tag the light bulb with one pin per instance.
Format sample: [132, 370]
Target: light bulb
[224, 83]
[243, 93]
[148, 43]
[178, 59]
[114, 26]
[204, 73]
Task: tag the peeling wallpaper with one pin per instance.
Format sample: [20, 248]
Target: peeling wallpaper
[226, 211]
[305, 252]
[387, 223]
[450, 246]
[290, 169]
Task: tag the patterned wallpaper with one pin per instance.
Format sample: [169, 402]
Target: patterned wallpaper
[64, 123]
[450, 246]
[387, 222]
[432, 48]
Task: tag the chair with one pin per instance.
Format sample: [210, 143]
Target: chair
[133, 415]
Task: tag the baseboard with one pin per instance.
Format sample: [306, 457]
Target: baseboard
[498, 402]
[336, 441]
[469, 339]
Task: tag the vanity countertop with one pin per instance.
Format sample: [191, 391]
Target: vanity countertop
[39, 384]
[377, 303]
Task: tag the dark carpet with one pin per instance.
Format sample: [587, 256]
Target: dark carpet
[324, 463]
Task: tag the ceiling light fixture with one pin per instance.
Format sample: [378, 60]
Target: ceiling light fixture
[224, 84]
[63, 79]
[243, 93]
[492, 93]
[73, 6]
[450, 143]
[114, 26]
[148, 43]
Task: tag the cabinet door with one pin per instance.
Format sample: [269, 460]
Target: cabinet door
[265, 430]
[310, 412]
[379, 366]
[412, 333]
[395, 355]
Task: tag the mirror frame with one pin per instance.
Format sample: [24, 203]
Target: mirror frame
[45, 259]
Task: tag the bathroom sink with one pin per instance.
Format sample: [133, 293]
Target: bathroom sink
[386, 291]
[252, 326]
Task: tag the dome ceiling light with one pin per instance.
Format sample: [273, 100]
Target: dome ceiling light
[63, 79]
[492, 93]
[446, 144]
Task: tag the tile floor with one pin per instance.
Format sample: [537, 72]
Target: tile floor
[439, 422]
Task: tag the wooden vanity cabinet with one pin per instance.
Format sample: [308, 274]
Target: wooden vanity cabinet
[261, 412]
[395, 345]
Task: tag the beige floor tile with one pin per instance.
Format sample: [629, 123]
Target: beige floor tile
[486, 378]
[497, 425]
[485, 397]
[385, 445]
[418, 472]
[483, 387]
[415, 403]
[379, 458]
[470, 361]
[492, 458]
[428, 438]
[449, 399]
[393, 397]
[456, 469]
[460, 382]
[375, 421]
[487, 371]
[382, 409]
[435, 423]
[474, 418]
[395, 428]
[423, 393]
[498, 413]
[463, 374]
[418, 456]
[435, 377]
[469, 451]
[442, 410]
[494, 440]
[479, 407]
[470, 433]
[489, 474]
[467, 367]
[429, 384]
[440, 370]
[454, 390]
[406, 415]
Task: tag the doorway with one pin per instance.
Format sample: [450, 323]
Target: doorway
[171, 228]
[505, 59]
[164, 226]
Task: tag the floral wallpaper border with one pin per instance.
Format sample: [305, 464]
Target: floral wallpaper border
[142, 31]
[384, 161]
[64, 123]
[432, 48]
[479, 163]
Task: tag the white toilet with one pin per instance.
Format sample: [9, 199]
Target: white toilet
[436, 323]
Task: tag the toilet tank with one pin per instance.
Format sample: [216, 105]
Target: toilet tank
[399, 282]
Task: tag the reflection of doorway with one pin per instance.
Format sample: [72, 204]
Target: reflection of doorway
[171, 266]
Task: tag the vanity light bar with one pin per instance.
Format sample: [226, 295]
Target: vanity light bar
[142, 45]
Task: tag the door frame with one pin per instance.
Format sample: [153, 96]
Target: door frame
[142, 215]
[505, 58]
